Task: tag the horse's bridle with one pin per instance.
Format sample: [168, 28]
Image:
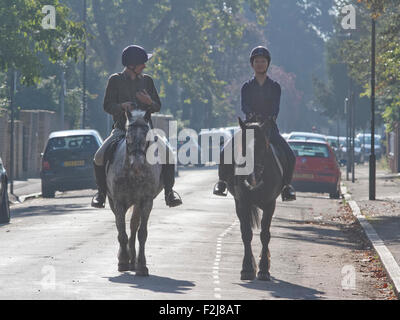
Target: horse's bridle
[144, 125]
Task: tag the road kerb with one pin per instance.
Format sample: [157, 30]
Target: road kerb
[387, 259]
[21, 199]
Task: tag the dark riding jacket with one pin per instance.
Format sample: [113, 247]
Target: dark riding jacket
[261, 100]
[121, 88]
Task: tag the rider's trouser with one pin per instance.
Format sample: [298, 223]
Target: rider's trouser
[168, 170]
[99, 156]
[225, 170]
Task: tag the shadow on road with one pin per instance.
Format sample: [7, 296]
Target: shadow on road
[46, 210]
[154, 283]
[314, 232]
[282, 289]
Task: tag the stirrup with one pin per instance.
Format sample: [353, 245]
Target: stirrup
[220, 189]
[99, 200]
[288, 193]
[175, 201]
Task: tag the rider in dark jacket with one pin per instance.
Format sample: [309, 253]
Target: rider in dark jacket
[260, 97]
[126, 90]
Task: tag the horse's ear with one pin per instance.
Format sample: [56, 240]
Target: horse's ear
[241, 123]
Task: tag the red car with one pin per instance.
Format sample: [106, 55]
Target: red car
[317, 169]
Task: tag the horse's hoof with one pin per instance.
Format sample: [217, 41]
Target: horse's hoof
[132, 266]
[264, 276]
[123, 267]
[142, 272]
[249, 275]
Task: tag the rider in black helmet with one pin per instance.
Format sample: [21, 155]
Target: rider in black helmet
[125, 91]
[260, 97]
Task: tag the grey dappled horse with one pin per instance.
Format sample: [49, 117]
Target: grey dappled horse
[254, 192]
[132, 181]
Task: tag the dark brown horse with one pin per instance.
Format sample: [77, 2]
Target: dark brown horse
[254, 193]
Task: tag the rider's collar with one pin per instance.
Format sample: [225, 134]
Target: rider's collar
[127, 77]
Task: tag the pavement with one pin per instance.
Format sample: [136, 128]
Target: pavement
[24, 189]
[194, 252]
[382, 214]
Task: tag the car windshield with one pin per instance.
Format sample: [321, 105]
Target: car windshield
[310, 150]
[306, 138]
[85, 142]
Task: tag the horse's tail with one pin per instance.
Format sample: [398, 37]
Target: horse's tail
[254, 217]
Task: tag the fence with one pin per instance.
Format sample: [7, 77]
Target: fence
[30, 135]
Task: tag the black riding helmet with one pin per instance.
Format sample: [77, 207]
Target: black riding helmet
[134, 55]
[260, 51]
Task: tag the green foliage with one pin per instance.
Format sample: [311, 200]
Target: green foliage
[355, 54]
[188, 38]
[22, 37]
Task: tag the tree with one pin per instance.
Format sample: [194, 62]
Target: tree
[22, 37]
[186, 36]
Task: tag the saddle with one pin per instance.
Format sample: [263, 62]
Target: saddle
[110, 151]
[278, 152]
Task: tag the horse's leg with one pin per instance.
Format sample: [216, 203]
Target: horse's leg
[144, 210]
[135, 221]
[123, 256]
[265, 236]
[249, 266]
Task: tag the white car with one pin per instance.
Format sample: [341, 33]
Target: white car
[307, 136]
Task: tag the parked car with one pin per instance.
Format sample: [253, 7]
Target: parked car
[317, 169]
[359, 151]
[67, 161]
[4, 203]
[365, 140]
[306, 136]
[333, 142]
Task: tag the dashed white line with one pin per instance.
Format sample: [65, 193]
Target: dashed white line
[217, 289]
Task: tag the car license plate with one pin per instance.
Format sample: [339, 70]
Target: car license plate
[76, 163]
[303, 176]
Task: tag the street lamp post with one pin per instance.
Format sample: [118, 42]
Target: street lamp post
[84, 69]
[353, 131]
[346, 112]
[372, 159]
[12, 107]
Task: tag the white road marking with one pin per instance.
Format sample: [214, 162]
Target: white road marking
[217, 260]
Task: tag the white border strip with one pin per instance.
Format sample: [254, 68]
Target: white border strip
[388, 261]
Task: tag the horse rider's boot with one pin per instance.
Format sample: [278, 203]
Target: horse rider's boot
[220, 189]
[99, 199]
[288, 193]
[172, 198]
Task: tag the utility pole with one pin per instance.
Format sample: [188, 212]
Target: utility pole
[84, 69]
[372, 158]
[12, 102]
[353, 133]
[346, 112]
[62, 98]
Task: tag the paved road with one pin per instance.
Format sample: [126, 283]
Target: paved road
[63, 249]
